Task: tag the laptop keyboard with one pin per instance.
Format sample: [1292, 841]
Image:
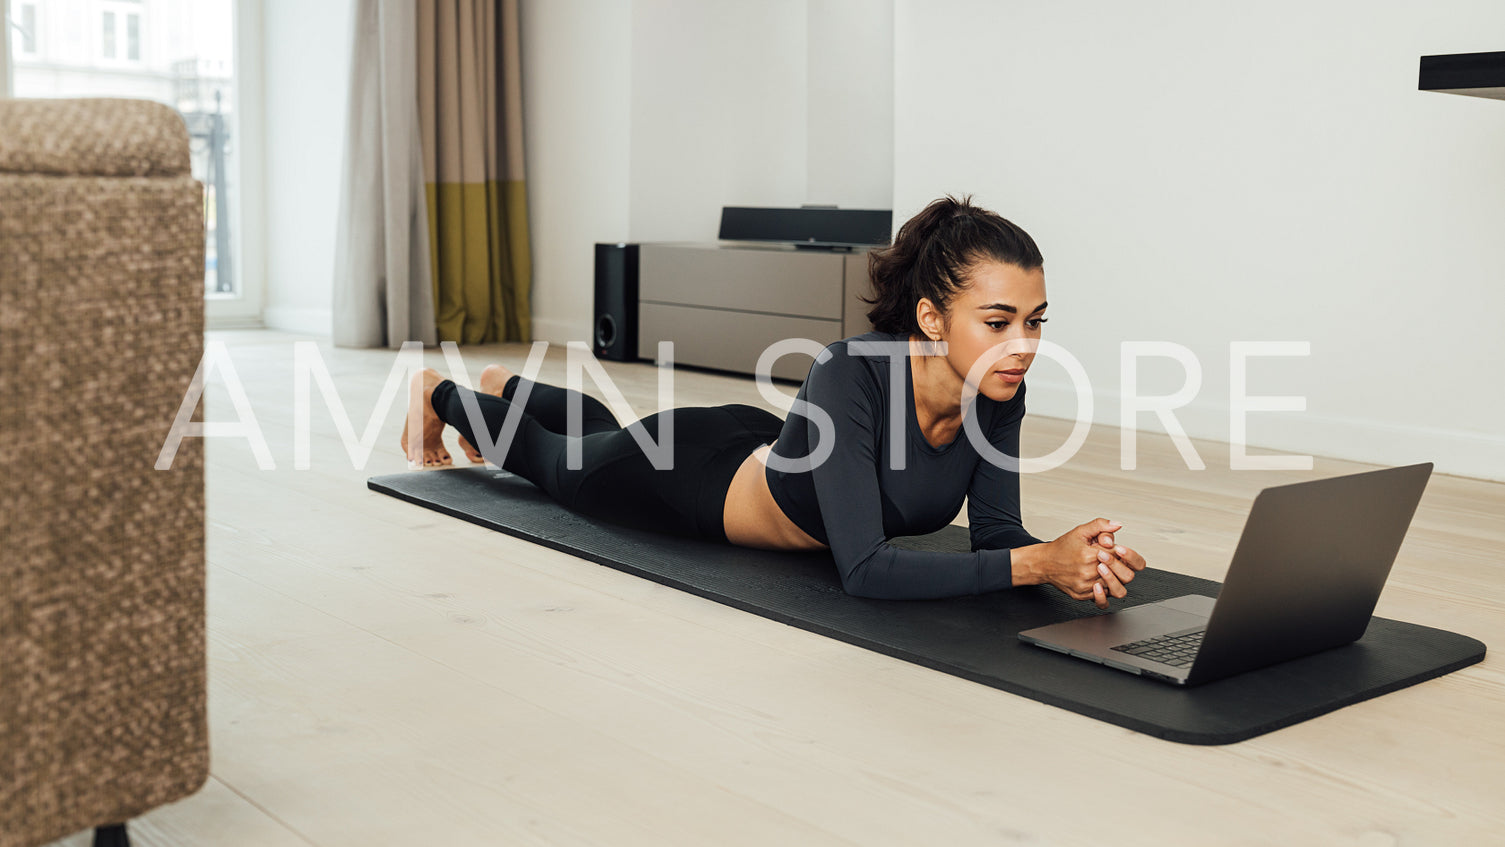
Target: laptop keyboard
[1176, 649]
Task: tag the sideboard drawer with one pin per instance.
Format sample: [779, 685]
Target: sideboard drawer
[776, 281]
[732, 341]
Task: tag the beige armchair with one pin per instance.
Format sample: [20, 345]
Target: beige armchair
[102, 654]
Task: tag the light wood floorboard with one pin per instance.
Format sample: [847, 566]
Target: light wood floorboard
[382, 674]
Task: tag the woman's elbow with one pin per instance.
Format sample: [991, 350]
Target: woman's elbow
[856, 582]
[862, 583]
[855, 585]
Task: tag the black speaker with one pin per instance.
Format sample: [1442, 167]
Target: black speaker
[616, 325]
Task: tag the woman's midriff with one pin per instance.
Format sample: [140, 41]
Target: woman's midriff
[753, 519]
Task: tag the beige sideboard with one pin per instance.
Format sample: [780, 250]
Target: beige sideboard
[723, 304]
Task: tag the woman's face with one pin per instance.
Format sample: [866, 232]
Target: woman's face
[1004, 305]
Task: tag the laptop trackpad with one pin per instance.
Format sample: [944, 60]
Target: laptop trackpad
[1101, 632]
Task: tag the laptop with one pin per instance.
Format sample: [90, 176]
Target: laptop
[1305, 577]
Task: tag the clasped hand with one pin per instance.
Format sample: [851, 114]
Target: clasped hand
[1087, 563]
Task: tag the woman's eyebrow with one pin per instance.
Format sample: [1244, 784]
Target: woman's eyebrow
[1004, 307]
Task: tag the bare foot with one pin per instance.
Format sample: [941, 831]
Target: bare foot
[493, 380]
[430, 446]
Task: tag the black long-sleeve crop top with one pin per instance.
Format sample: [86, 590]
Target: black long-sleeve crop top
[860, 495]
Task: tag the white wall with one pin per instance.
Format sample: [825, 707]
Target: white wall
[850, 108]
[307, 87]
[1204, 173]
[576, 64]
[643, 119]
[718, 112]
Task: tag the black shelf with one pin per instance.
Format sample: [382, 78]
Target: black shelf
[1474, 74]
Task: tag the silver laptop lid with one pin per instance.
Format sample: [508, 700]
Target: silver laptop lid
[1309, 568]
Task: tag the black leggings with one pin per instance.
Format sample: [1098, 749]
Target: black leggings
[616, 480]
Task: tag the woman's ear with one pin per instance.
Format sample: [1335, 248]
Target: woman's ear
[929, 319]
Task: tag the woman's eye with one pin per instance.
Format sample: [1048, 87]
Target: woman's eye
[1032, 323]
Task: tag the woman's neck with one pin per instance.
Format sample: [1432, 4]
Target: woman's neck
[937, 392]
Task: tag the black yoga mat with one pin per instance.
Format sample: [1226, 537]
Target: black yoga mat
[970, 637]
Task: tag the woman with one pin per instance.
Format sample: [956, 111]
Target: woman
[879, 451]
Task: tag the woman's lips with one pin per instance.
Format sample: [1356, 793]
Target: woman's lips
[1012, 377]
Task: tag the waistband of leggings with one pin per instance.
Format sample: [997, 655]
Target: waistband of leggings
[716, 481]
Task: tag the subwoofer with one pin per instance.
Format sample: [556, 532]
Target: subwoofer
[616, 324]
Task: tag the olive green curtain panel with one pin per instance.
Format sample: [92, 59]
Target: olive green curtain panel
[432, 241]
[470, 118]
[383, 289]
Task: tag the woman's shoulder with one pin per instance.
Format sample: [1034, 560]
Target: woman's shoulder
[868, 345]
[857, 363]
[871, 351]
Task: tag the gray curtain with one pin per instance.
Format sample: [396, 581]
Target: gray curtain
[470, 114]
[383, 289]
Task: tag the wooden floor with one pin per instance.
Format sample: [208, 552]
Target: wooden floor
[383, 675]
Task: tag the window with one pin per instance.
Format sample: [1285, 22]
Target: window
[177, 52]
[28, 29]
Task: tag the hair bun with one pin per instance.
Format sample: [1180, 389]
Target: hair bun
[931, 260]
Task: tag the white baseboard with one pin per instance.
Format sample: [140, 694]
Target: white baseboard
[1453, 452]
[318, 322]
[559, 331]
[213, 322]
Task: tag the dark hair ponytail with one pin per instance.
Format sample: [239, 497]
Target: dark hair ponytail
[932, 256]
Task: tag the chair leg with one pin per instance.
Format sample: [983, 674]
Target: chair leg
[113, 835]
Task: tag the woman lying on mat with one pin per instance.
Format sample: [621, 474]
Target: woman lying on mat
[961, 292]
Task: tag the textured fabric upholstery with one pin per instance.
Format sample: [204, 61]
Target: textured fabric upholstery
[103, 137]
[102, 641]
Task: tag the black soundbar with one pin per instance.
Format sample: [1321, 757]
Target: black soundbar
[1476, 74]
[807, 227]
